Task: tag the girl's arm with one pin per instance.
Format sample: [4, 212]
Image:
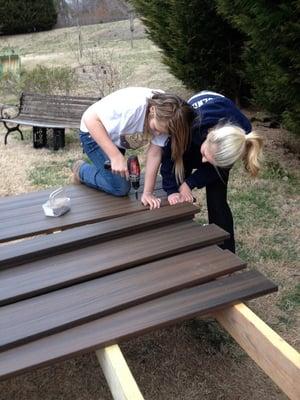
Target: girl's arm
[100, 135]
[153, 161]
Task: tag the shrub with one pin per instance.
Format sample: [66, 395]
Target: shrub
[18, 16]
[272, 59]
[199, 46]
[59, 80]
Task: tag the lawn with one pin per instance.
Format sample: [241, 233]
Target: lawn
[195, 359]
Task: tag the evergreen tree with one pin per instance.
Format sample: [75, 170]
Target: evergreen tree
[271, 55]
[18, 16]
[198, 45]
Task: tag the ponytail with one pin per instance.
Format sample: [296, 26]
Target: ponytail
[229, 143]
[252, 156]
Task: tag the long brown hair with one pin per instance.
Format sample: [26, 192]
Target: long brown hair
[177, 115]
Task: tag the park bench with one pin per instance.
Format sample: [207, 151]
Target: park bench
[45, 113]
[110, 270]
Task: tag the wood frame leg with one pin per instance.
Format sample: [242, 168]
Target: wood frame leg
[118, 375]
[275, 356]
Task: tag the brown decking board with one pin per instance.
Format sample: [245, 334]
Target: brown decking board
[74, 191]
[48, 245]
[24, 217]
[39, 316]
[135, 321]
[117, 270]
[87, 263]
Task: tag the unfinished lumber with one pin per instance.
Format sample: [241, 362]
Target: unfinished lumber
[118, 375]
[279, 360]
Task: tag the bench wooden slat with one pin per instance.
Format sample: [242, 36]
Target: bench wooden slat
[53, 97]
[108, 257]
[36, 317]
[135, 321]
[45, 246]
[46, 111]
[42, 124]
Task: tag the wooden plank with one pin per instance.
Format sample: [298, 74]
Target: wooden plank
[34, 198]
[94, 261]
[39, 316]
[93, 201]
[134, 321]
[275, 356]
[42, 124]
[52, 111]
[41, 96]
[118, 375]
[27, 217]
[46, 246]
[76, 192]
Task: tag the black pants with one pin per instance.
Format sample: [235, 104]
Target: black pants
[218, 209]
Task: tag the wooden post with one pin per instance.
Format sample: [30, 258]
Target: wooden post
[117, 373]
[275, 356]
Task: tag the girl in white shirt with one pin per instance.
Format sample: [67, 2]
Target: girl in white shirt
[125, 119]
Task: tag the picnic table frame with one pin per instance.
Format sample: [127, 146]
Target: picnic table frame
[276, 357]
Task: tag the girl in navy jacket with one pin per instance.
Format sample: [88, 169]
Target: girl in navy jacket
[221, 135]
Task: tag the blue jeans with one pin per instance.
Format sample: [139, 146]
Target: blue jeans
[95, 175]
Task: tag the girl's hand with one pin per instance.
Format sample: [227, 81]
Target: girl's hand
[119, 166]
[151, 200]
[186, 193]
[174, 198]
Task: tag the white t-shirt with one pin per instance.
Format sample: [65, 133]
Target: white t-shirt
[122, 113]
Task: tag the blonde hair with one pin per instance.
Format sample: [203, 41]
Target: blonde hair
[177, 115]
[229, 143]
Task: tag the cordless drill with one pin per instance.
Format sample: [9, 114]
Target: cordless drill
[134, 170]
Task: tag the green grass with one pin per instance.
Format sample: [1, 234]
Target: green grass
[290, 301]
[255, 204]
[53, 173]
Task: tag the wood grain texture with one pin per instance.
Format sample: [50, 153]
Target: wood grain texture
[52, 312]
[22, 216]
[118, 375]
[51, 110]
[94, 261]
[275, 356]
[135, 321]
[50, 245]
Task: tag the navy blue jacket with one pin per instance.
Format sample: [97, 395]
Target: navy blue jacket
[210, 109]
